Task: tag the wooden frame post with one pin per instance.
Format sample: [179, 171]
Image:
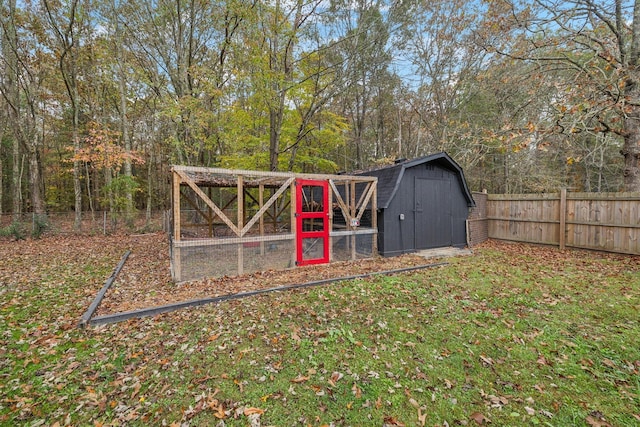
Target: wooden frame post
[293, 208]
[176, 206]
[330, 213]
[563, 219]
[352, 214]
[240, 222]
[176, 262]
[374, 219]
[261, 224]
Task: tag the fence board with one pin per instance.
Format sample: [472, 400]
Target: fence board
[601, 221]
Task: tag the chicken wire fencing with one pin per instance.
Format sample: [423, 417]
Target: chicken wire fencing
[220, 258]
[29, 224]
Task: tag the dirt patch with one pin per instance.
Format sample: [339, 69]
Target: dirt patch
[145, 280]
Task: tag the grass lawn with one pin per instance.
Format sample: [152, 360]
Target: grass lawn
[513, 335]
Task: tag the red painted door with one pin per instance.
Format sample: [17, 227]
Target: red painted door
[312, 222]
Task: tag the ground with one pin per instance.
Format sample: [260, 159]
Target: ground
[515, 334]
[145, 280]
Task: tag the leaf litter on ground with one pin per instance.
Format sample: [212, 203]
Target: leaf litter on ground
[516, 334]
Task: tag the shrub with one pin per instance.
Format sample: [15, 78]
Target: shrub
[15, 230]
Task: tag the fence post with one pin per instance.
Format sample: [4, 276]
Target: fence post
[563, 218]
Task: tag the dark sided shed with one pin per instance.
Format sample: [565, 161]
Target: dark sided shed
[422, 204]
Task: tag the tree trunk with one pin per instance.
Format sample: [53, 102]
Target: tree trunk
[68, 66]
[77, 186]
[1, 174]
[275, 125]
[35, 179]
[631, 152]
[11, 92]
[16, 179]
[631, 147]
[149, 186]
[126, 139]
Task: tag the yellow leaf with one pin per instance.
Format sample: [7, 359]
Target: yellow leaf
[219, 413]
[265, 397]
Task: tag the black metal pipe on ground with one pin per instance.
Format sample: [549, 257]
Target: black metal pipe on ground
[86, 317]
[153, 311]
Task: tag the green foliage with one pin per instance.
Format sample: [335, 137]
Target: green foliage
[18, 230]
[39, 226]
[15, 230]
[117, 192]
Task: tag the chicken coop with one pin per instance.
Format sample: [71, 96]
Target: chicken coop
[229, 222]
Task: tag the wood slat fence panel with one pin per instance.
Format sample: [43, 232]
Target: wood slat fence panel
[601, 221]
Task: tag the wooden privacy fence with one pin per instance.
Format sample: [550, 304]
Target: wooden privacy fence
[600, 221]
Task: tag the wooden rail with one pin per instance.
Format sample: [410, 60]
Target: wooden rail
[600, 221]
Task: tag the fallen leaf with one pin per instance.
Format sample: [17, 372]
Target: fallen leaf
[546, 413]
[422, 418]
[608, 362]
[219, 413]
[251, 411]
[357, 391]
[335, 377]
[300, 379]
[391, 421]
[479, 418]
[597, 420]
[295, 336]
[379, 402]
[486, 360]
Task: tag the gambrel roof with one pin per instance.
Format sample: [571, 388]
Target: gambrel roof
[389, 177]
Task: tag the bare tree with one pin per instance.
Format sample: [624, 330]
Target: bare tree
[65, 23]
[597, 43]
[21, 89]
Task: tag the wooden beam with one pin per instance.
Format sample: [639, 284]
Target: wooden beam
[293, 221]
[261, 225]
[563, 218]
[285, 175]
[176, 205]
[176, 261]
[201, 243]
[371, 188]
[208, 201]
[374, 219]
[341, 204]
[352, 211]
[195, 206]
[330, 210]
[262, 210]
[240, 189]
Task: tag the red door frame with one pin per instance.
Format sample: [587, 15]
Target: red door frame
[301, 215]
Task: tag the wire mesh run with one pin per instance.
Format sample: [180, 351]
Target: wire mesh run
[348, 246]
[231, 259]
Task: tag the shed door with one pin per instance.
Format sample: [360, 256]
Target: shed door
[312, 222]
[433, 226]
